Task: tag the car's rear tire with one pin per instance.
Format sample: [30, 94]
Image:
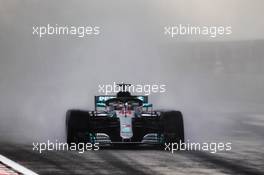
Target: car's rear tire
[173, 130]
[77, 126]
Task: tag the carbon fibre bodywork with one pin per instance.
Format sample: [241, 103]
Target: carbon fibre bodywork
[124, 119]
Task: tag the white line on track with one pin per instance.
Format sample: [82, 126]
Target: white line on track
[16, 166]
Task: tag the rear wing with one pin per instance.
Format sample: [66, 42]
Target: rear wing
[99, 101]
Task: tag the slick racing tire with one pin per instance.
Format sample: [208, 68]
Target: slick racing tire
[173, 130]
[77, 126]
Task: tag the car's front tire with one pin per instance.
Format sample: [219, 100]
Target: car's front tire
[173, 130]
[77, 126]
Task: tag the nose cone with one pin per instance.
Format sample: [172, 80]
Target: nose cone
[126, 131]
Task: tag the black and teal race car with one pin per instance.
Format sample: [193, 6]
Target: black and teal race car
[124, 118]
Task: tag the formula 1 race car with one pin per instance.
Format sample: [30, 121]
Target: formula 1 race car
[124, 119]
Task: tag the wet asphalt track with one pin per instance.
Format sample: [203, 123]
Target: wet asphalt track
[245, 158]
[142, 160]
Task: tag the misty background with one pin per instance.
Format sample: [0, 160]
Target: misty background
[217, 83]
